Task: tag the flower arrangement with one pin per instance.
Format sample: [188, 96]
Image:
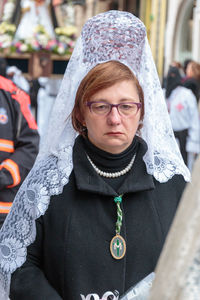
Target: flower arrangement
[63, 43]
[6, 35]
[66, 37]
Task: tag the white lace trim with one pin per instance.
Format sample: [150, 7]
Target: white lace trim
[96, 297]
[178, 270]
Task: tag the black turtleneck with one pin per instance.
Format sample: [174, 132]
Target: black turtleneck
[109, 162]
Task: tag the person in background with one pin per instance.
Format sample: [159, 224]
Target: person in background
[15, 74]
[192, 79]
[179, 66]
[19, 140]
[46, 96]
[185, 63]
[107, 181]
[3, 66]
[34, 89]
[183, 111]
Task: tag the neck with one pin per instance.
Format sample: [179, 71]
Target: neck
[110, 162]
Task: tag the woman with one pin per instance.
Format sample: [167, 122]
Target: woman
[15, 74]
[192, 79]
[183, 111]
[107, 174]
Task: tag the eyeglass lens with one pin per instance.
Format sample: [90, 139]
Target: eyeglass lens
[101, 108]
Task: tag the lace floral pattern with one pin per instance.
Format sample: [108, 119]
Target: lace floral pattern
[106, 296]
[109, 36]
[46, 178]
[113, 35]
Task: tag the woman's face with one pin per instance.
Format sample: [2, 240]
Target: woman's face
[113, 132]
[189, 71]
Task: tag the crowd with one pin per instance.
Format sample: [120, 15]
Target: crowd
[100, 192]
[182, 93]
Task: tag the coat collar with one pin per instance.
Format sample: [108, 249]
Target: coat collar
[88, 180]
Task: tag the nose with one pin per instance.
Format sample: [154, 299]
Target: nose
[114, 117]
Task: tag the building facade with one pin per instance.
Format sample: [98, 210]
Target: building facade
[182, 36]
[173, 28]
[153, 14]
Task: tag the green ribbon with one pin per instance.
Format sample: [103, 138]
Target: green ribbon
[118, 200]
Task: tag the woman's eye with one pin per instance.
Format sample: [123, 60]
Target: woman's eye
[101, 107]
[125, 106]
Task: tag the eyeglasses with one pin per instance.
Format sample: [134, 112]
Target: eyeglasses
[125, 109]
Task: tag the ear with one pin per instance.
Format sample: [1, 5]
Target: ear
[140, 125]
[80, 118]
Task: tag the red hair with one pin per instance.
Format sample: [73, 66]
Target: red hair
[195, 69]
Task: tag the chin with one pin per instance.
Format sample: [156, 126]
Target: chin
[115, 148]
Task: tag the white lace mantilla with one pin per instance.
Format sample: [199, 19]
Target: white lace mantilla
[178, 269]
[106, 296]
[114, 35]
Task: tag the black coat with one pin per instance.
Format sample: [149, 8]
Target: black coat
[193, 85]
[19, 142]
[71, 254]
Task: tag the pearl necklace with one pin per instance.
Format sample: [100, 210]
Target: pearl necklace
[114, 174]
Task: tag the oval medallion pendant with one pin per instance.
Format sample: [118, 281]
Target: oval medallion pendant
[118, 247]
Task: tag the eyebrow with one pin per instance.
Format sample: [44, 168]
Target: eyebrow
[121, 100]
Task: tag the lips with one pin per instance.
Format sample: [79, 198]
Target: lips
[114, 133]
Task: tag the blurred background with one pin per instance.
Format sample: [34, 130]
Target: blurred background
[173, 28]
[37, 38]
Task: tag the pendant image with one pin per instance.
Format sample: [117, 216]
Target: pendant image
[118, 247]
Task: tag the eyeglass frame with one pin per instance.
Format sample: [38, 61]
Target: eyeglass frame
[89, 103]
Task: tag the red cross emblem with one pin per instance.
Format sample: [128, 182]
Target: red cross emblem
[179, 107]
